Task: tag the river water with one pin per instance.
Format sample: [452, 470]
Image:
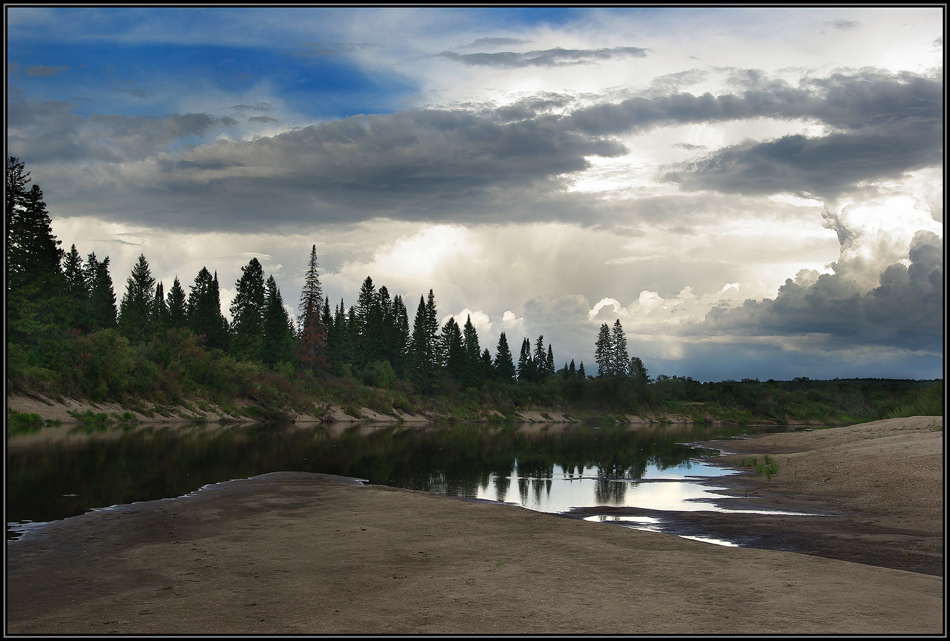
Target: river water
[64, 471]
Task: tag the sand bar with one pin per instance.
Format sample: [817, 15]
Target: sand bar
[292, 553]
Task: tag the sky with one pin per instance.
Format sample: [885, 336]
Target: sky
[752, 192]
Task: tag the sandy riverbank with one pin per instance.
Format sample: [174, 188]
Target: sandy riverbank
[299, 553]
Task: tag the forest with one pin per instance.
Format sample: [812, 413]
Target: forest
[70, 335]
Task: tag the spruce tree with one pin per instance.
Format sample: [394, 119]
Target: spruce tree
[312, 346]
[472, 372]
[103, 313]
[277, 341]
[526, 367]
[204, 311]
[247, 313]
[604, 351]
[135, 310]
[451, 354]
[620, 357]
[159, 315]
[177, 306]
[504, 363]
[33, 252]
[77, 293]
[539, 360]
[400, 336]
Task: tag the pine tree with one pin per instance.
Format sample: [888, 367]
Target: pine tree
[472, 369]
[247, 313]
[33, 252]
[504, 363]
[423, 345]
[400, 340]
[620, 355]
[549, 362]
[526, 367]
[312, 346]
[77, 293]
[177, 306]
[136, 306]
[604, 351]
[159, 314]
[204, 311]
[540, 359]
[102, 312]
[277, 340]
[451, 355]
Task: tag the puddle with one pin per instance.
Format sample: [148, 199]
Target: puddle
[682, 488]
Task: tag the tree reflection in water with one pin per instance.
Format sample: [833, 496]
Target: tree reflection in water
[53, 473]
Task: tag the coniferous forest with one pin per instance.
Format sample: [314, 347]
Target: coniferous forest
[72, 333]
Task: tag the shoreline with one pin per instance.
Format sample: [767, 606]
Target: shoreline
[313, 554]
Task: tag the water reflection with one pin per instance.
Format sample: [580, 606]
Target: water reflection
[61, 471]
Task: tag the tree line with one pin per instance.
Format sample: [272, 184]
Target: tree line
[68, 332]
[54, 294]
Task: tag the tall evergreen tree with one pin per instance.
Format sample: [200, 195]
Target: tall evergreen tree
[604, 351]
[247, 313]
[451, 350]
[77, 293]
[135, 310]
[423, 346]
[159, 314]
[103, 313]
[400, 340]
[312, 344]
[177, 306]
[204, 310]
[504, 363]
[33, 252]
[620, 357]
[549, 362]
[278, 338]
[472, 375]
[526, 367]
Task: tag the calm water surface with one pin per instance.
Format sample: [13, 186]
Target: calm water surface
[59, 472]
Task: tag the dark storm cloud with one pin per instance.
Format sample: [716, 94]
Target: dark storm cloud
[859, 100]
[480, 163]
[886, 126]
[547, 58]
[824, 167]
[50, 131]
[904, 311]
[419, 165]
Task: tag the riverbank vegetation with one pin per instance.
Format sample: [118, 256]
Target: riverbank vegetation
[69, 335]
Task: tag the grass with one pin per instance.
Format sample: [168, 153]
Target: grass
[769, 467]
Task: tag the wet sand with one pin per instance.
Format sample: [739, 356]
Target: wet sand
[292, 553]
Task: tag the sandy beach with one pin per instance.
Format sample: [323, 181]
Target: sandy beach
[293, 553]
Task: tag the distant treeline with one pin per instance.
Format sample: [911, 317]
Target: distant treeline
[67, 335]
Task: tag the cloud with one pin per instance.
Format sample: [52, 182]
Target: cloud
[44, 70]
[556, 57]
[905, 310]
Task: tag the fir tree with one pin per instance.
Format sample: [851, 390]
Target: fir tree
[159, 314]
[620, 356]
[526, 367]
[204, 310]
[177, 306]
[312, 346]
[504, 363]
[604, 351]
[247, 313]
[136, 307]
[102, 308]
[277, 340]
